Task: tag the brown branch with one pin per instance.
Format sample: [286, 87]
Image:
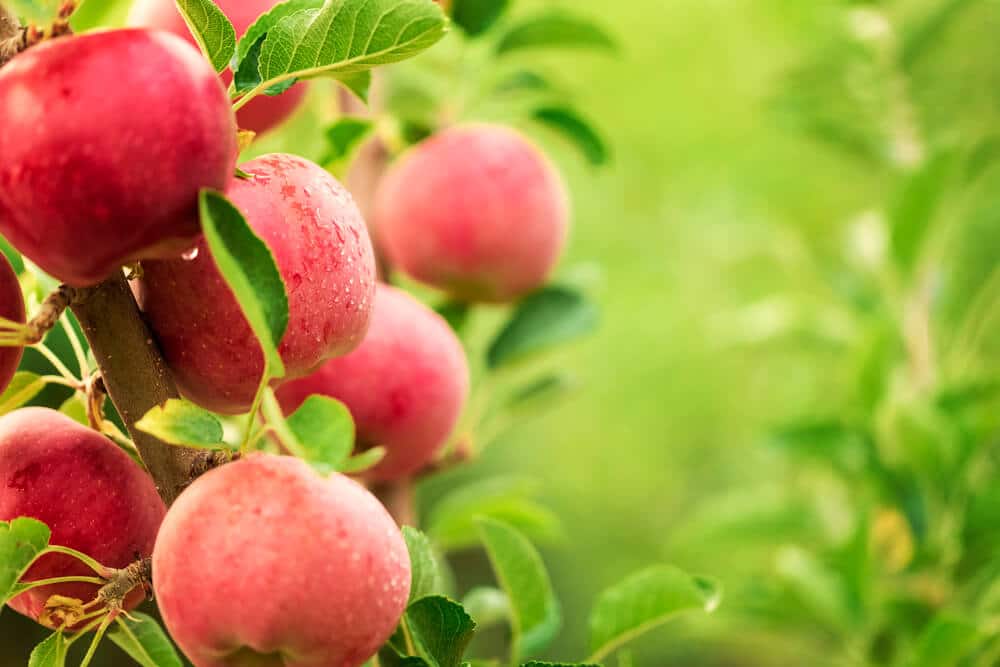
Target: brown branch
[11, 35]
[15, 38]
[135, 376]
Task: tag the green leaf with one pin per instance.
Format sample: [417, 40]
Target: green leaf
[535, 663]
[539, 393]
[477, 16]
[455, 313]
[556, 29]
[390, 657]
[75, 408]
[914, 207]
[50, 653]
[644, 601]
[440, 630]
[576, 129]
[325, 429]
[145, 641]
[179, 422]
[945, 641]
[549, 317]
[317, 42]
[259, 28]
[959, 396]
[22, 388]
[451, 523]
[363, 461]
[248, 266]
[344, 136]
[926, 33]
[523, 80]
[211, 29]
[425, 575]
[21, 540]
[487, 605]
[535, 617]
[358, 83]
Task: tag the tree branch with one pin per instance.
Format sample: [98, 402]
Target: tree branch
[135, 376]
[11, 35]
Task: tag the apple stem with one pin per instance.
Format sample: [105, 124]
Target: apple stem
[135, 376]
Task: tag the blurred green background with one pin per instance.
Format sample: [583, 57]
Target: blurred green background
[749, 172]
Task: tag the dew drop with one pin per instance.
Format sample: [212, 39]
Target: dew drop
[190, 255]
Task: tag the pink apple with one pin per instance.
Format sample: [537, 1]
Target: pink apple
[264, 112]
[264, 562]
[11, 308]
[104, 153]
[405, 385]
[475, 210]
[322, 249]
[93, 497]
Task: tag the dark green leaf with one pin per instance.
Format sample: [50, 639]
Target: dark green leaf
[959, 396]
[456, 313]
[519, 569]
[22, 388]
[644, 601]
[247, 265]
[425, 576]
[21, 540]
[390, 657]
[914, 207]
[325, 430]
[556, 29]
[477, 16]
[440, 630]
[944, 642]
[549, 317]
[211, 29]
[246, 75]
[259, 28]
[50, 653]
[577, 130]
[145, 641]
[179, 422]
[344, 136]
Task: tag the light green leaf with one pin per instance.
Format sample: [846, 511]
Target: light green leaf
[944, 642]
[325, 430]
[549, 317]
[425, 575]
[211, 29]
[179, 422]
[75, 408]
[21, 540]
[346, 36]
[576, 129]
[644, 601]
[344, 136]
[535, 663]
[539, 393]
[145, 641]
[22, 388]
[477, 16]
[363, 461]
[247, 265]
[555, 28]
[358, 83]
[926, 34]
[451, 523]
[268, 20]
[439, 629]
[487, 605]
[535, 617]
[914, 207]
[50, 653]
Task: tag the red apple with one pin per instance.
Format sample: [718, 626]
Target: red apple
[104, 153]
[264, 562]
[92, 496]
[262, 113]
[405, 385]
[323, 252]
[11, 308]
[475, 210]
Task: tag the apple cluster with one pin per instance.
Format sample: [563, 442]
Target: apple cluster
[261, 561]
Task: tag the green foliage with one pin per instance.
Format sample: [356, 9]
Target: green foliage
[21, 542]
[913, 208]
[180, 422]
[576, 129]
[552, 316]
[51, 652]
[477, 16]
[211, 29]
[344, 136]
[425, 574]
[145, 641]
[22, 388]
[247, 265]
[945, 641]
[435, 629]
[555, 28]
[325, 429]
[535, 615]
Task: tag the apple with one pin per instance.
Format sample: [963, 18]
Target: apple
[475, 210]
[92, 496]
[405, 385]
[321, 247]
[264, 562]
[103, 152]
[11, 308]
[262, 113]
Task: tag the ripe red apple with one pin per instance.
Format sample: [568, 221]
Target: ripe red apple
[11, 308]
[475, 210]
[405, 385]
[104, 153]
[323, 252]
[262, 113]
[264, 562]
[93, 497]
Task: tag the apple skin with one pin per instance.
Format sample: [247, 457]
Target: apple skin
[12, 308]
[475, 210]
[264, 562]
[322, 249]
[93, 497]
[405, 385]
[262, 113]
[103, 152]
